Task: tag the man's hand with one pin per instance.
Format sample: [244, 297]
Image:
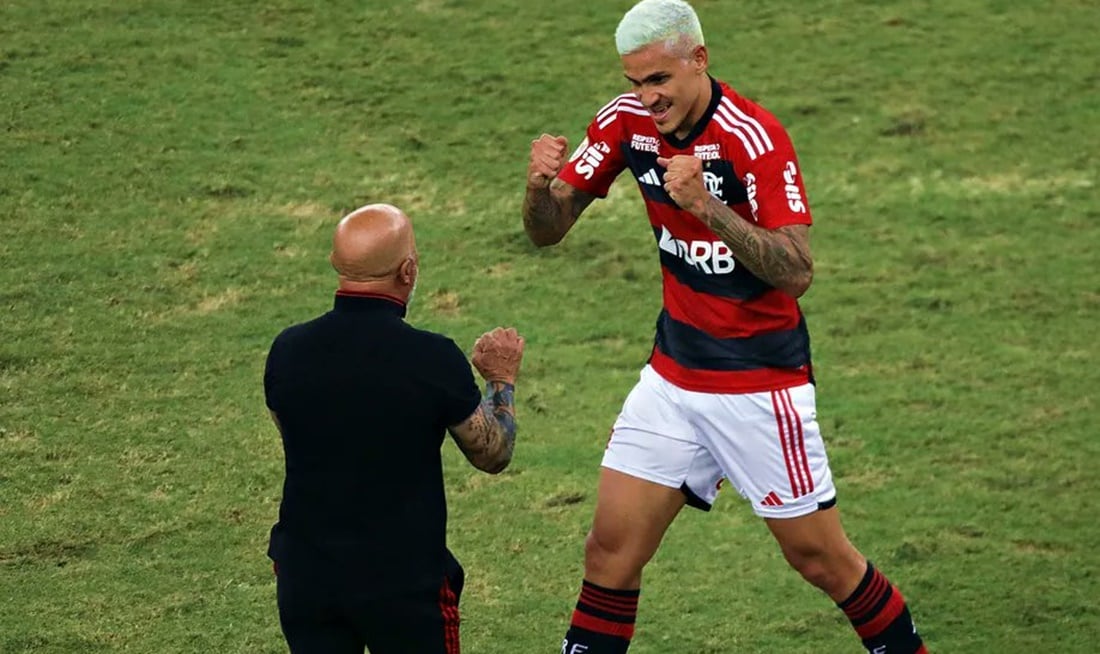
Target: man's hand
[548, 155]
[684, 182]
[497, 355]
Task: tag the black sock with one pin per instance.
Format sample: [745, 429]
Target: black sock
[603, 622]
[880, 616]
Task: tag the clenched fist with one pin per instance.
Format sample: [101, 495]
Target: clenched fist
[497, 355]
[684, 182]
[548, 155]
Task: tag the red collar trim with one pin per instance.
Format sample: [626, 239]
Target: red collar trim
[377, 296]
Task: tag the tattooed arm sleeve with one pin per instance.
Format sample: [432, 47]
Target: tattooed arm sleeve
[780, 257]
[550, 212]
[488, 436]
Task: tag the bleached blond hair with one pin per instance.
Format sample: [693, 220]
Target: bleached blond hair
[673, 22]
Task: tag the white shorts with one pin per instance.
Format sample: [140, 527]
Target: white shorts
[768, 445]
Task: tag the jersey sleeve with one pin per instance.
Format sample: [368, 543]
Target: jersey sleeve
[776, 192]
[458, 394]
[598, 160]
[272, 375]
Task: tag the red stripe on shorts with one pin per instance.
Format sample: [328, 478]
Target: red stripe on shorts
[800, 450]
[779, 421]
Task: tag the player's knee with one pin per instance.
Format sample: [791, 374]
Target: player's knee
[607, 560]
[599, 549]
[829, 571]
[814, 570]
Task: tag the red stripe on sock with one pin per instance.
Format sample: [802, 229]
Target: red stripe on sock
[624, 595]
[628, 612]
[612, 604]
[871, 595]
[626, 604]
[601, 626]
[888, 614]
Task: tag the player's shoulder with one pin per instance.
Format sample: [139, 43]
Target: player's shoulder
[733, 103]
[622, 107]
[748, 123]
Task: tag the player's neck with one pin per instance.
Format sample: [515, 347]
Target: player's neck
[697, 110]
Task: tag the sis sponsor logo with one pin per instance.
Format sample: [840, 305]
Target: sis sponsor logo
[589, 157]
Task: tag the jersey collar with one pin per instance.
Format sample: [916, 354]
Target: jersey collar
[704, 120]
[359, 302]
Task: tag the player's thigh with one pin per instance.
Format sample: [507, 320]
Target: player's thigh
[653, 440]
[815, 534]
[816, 545]
[632, 515]
[769, 446]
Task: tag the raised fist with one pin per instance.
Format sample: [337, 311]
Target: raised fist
[497, 355]
[548, 155]
[684, 182]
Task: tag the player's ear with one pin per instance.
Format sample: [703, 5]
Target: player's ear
[700, 58]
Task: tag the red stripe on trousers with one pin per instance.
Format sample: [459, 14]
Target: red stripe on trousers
[601, 626]
[783, 442]
[801, 457]
[448, 606]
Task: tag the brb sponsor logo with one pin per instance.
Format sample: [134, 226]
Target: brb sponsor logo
[644, 143]
[590, 157]
[708, 257]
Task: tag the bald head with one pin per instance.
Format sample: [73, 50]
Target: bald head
[374, 245]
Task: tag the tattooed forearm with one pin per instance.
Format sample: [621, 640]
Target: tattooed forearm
[488, 437]
[775, 256]
[501, 400]
[543, 218]
[548, 213]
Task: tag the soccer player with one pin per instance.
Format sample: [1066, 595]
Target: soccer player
[362, 400]
[728, 390]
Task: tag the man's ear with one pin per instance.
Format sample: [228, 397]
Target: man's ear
[407, 271]
[700, 58]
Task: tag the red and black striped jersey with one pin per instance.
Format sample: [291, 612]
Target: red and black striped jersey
[722, 329]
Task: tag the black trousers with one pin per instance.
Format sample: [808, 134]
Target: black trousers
[321, 616]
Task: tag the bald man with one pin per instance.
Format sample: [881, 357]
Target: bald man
[363, 401]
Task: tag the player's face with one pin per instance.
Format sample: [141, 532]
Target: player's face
[672, 84]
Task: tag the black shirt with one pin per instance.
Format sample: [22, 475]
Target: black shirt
[364, 400]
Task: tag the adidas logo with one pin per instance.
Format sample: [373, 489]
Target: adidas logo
[651, 178]
[772, 500]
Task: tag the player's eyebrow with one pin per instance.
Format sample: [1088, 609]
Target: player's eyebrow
[650, 79]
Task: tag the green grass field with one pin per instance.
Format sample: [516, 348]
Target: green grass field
[170, 173]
